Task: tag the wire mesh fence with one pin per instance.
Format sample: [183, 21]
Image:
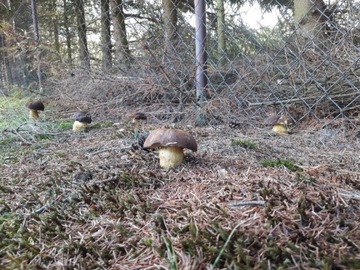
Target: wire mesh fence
[293, 58]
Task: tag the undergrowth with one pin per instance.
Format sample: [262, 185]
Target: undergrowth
[91, 202]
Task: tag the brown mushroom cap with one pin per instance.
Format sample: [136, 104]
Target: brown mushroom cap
[286, 120]
[82, 117]
[272, 120]
[139, 116]
[35, 105]
[170, 138]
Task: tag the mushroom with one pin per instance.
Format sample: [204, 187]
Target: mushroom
[138, 117]
[171, 144]
[82, 120]
[280, 124]
[35, 107]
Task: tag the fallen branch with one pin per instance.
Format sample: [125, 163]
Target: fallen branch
[246, 203]
[348, 194]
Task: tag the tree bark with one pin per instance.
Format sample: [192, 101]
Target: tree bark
[310, 20]
[34, 14]
[67, 32]
[122, 52]
[221, 32]
[81, 30]
[55, 23]
[170, 25]
[106, 61]
[5, 68]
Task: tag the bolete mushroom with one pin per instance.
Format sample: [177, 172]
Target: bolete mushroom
[171, 144]
[82, 120]
[139, 117]
[35, 107]
[280, 124]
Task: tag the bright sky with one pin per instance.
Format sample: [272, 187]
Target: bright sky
[254, 17]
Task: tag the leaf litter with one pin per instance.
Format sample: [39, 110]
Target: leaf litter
[91, 201]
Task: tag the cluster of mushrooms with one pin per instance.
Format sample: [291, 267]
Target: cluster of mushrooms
[82, 119]
[170, 142]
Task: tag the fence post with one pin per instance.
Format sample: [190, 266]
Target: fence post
[200, 44]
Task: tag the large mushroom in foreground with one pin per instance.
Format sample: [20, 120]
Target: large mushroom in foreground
[35, 107]
[82, 120]
[171, 144]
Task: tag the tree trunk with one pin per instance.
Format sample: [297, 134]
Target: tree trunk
[67, 32]
[106, 60]
[170, 25]
[37, 40]
[18, 64]
[5, 68]
[55, 23]
[310, 20]
[81, 30]
[121, 42]
[221, 32]
[35, 20]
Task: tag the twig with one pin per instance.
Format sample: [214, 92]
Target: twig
[21, 137]
[349, 194]
[125, 148]
[247, 203]
[348, 172]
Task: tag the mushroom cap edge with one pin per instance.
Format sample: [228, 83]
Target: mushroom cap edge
[170, 138]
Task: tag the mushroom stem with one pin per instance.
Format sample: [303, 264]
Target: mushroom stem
[170, 157]
[279, 128]
[79, 126]
[34, 114]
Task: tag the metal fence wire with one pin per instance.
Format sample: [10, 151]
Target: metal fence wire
[294, 58]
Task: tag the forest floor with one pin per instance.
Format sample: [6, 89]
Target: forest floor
[247, 199]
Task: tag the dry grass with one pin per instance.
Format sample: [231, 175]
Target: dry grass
[89, 201]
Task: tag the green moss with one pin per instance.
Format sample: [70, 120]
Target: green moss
[8, 141]
[290, 165]
[127, 124]
[12, 112]
[148, 242]
[301, 178]
[351, 263]
[103, 124]
[43, 136]
[65, 124]
[243, 143]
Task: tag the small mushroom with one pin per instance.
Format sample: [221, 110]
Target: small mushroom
[171, 144]
[280, 124]
[139, 117]
[82, 120]
[35, 107]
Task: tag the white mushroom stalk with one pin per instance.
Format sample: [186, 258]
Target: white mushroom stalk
[79, 126]
[280, 127]
[171, 144]
[170, 157]
[33, 114]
